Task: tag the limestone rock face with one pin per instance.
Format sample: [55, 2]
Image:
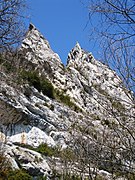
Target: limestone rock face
[30, 160]
[84, 92]
[38, 54]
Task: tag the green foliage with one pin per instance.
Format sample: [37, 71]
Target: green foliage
[51, 107]
[47, 88]
[126, 175]
[117, 105]
[62, 98]
[65, 99]
[40, 83]
[105, 122]
[7, 65]
[18, 174]
[46, 150]
[67, 155]
[71, 177]
[24, 145]
[130, 176]
[98, 177]
[42, 148]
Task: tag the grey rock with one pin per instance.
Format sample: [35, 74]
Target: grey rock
[29, 116]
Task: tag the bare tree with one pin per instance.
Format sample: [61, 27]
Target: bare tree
[111, 149]
[113, 23]
[11, 23]
[11, 33]
[114, 29]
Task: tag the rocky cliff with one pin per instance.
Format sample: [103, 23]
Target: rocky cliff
[47, 102]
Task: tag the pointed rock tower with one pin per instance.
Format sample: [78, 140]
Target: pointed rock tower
[37, 54]
[75, 54]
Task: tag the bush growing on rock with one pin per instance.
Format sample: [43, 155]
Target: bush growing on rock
[40, 83]
[65, 99]
[16, 175]
[46, 150]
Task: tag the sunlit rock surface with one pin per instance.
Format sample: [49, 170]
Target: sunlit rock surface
[28, 116]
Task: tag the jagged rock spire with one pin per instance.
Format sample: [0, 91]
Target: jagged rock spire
[31, 26]
[34, 39]
[34, 42]
[75, 53]
[77, 46]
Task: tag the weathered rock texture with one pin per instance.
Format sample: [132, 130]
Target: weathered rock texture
[29, 116]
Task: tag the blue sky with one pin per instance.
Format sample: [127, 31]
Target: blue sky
[62, 22]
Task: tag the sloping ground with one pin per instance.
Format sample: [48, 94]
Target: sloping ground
[81, 105]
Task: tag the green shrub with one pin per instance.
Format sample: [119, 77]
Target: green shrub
[130, 176]
[71, 177]
[40, 83]
[47, 88]
[67, 155]
[65, 99]
[42, 148]
[98, 177]
[24, 145]
[18, 174]
[126, 175]
[8, 66]
[59, 95]
[52, 107]
[45, 150]
[105, 122]
[118, 106]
